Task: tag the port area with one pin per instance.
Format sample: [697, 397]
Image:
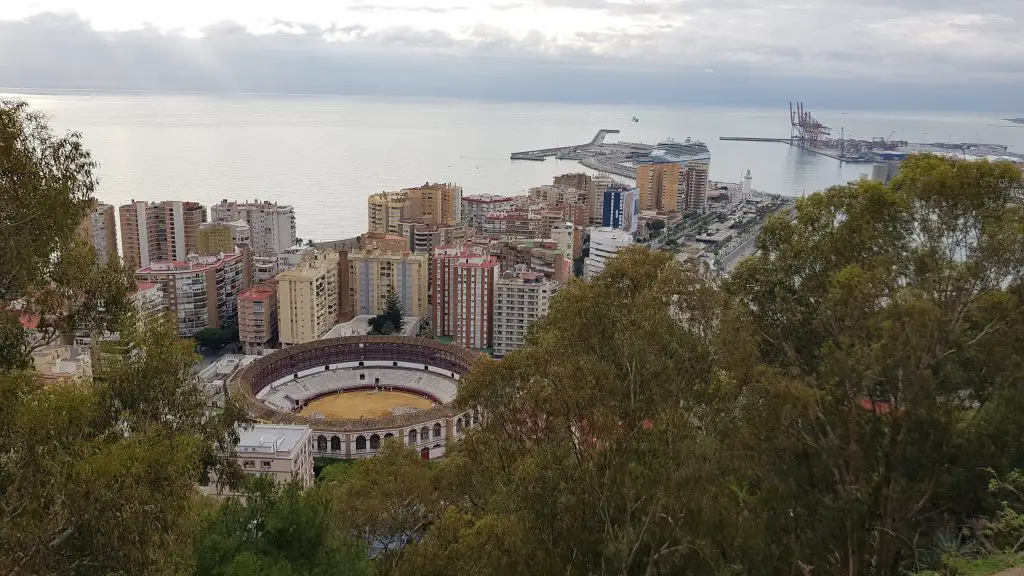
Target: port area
[614, 158]
[810, 134]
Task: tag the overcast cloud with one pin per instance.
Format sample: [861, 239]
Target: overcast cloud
[834, 53]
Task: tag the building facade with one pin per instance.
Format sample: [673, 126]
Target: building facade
[159, 231]
[475, 207]
[373, 272]
[434, 203]
[257, 318]
[463, 291]
[675, 178]
[271, 225]
[605, 243]
[201, 292]
[308, 298]
[280, 451]
[384, 212]
[149, 301]
[100, 231]
[422, 237]
[519, 301]
[215, 238]
[621, 210]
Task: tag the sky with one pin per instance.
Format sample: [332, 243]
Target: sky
[835, 53]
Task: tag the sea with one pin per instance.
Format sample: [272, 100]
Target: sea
[324, 154]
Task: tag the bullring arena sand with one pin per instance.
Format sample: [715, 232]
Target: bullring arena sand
[364, 404]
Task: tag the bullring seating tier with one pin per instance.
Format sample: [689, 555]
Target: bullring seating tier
[290, 394]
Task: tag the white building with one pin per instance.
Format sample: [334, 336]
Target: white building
[477, 206]
[264, 268]
[604, 244]
[562, 234]
[283, 452]
[518, 302]
[271, 225]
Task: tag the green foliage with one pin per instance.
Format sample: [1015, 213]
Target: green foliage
[1006, 529]
[276, 531]
[391, 319]
[47, 270]
[217, 338]
[96, 476]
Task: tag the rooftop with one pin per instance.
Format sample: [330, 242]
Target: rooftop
[194, 264]
[268, 438]
[257, 292]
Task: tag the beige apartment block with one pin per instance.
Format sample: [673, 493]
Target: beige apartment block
[373, 272]
[308, 298]
[384, 212]
[434, 203]
[673, 186]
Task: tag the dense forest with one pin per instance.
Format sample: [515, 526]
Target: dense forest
[847, 402]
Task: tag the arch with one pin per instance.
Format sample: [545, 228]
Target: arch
[468, 421]
[476, 416]
[458, 424]
[321, 443]
[335, 444]
[425, 453]
[437, 430]
[412, 436]
[360, 442]
[424, 434]
[375, 442]
[389, 435]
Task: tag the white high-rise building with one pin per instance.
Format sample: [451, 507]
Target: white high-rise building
[271, 225]
[604, 244]
[518, 302]
[746, 186]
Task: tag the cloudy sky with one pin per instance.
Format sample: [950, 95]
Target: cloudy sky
[860, 53]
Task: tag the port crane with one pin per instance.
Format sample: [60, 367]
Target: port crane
[805, 128]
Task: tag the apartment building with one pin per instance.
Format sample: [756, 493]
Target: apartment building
[463, 289]
[519, 301]
[433, 203]
[542, 256]
[594, 188]
[271, 225]
[201, 292]
[308, 297]
[99, 229]
[475, 207]
[257, 318]
[215, 238]
[282, 452]
[605, 243]
[159, 231]
[381, 241]
[621, 210]
[676, 179]
[566, 239]
[384, 212]
[424, 237]
[149, 301]
[373, 272]
[517, 224]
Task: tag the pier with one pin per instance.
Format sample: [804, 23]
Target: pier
[545, 153]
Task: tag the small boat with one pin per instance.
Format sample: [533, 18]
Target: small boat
[635, 119]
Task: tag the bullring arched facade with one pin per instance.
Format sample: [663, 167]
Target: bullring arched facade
[272, 387]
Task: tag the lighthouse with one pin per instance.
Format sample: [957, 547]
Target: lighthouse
[745, 189]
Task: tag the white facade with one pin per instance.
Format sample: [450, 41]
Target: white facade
[264, 268]
[519, 302]
[282, 452]
[604, 244]
[201, 292]
[271, 225]
[562, 234]
[476, 207]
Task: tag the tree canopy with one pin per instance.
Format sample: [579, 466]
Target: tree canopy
[391, 319]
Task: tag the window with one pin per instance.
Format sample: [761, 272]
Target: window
[360, 443]
[265, 464]
[424, 434]
[437, 430]
[248, 464]
[335, 444]
[375, 442]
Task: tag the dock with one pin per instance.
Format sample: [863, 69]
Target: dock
[824, 150]
[545, 153]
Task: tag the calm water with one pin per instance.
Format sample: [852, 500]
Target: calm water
[324, 155]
